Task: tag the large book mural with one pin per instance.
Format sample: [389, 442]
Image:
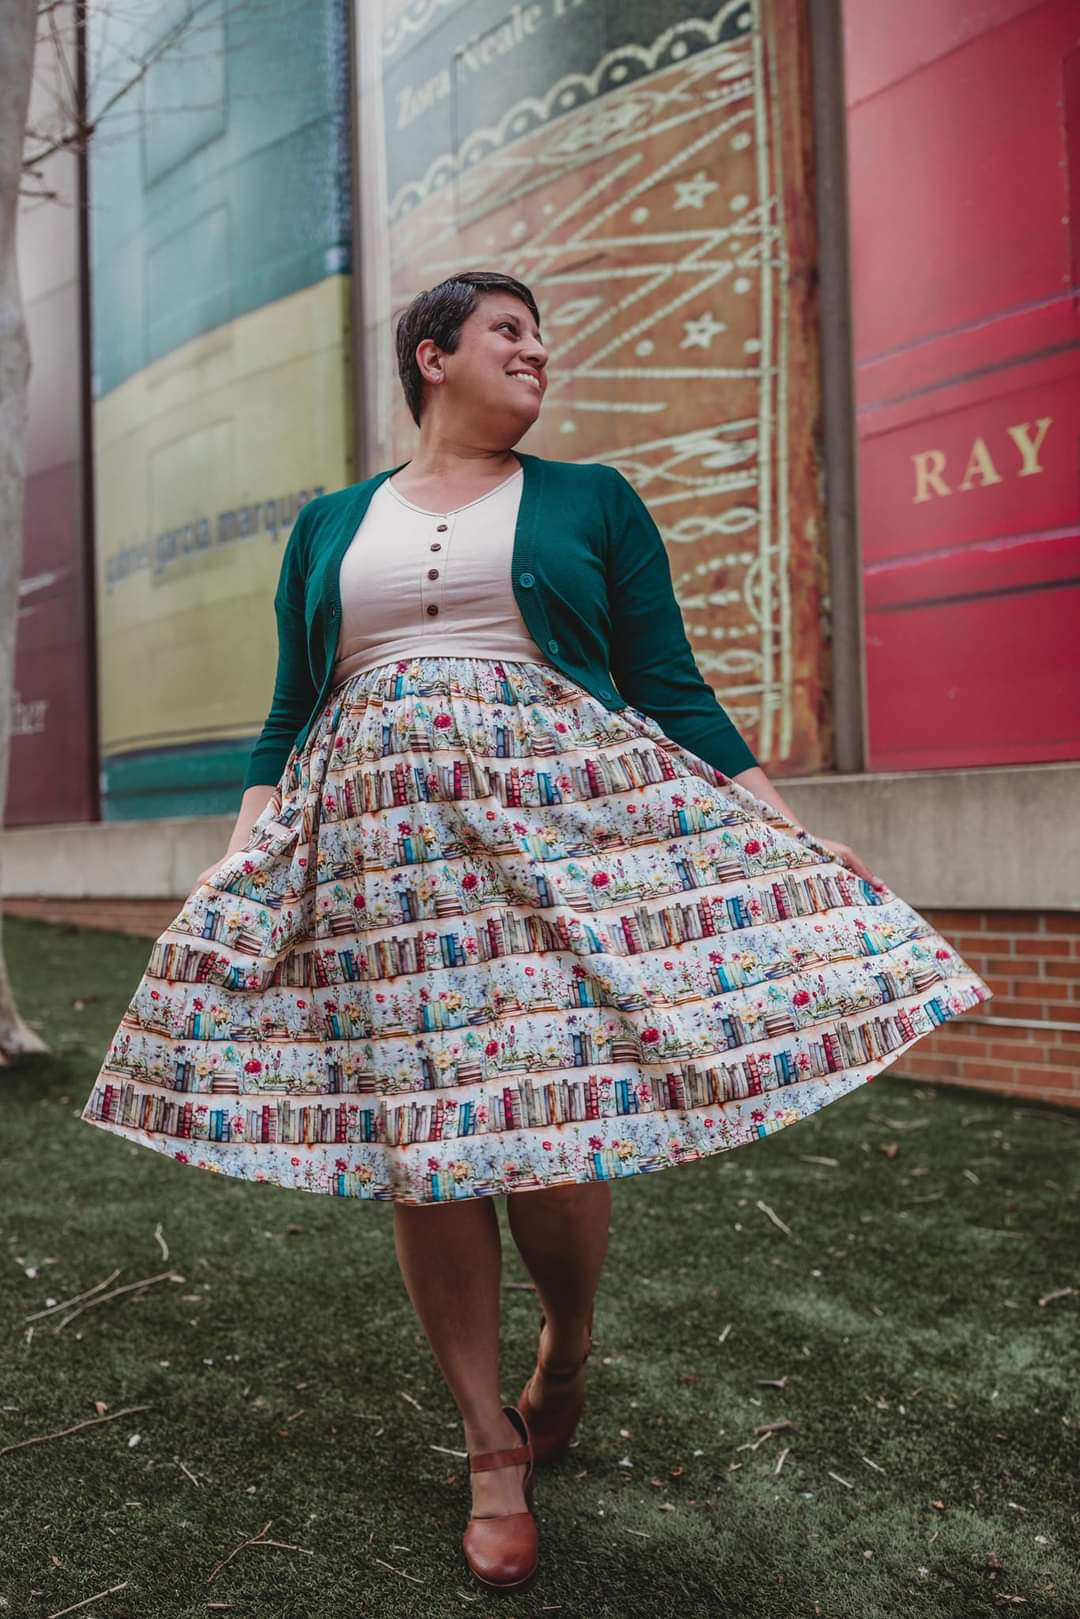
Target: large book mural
[646, 170]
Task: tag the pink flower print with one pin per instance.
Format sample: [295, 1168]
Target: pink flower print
[600, 879]
[546, 1145]
[595, 1143]
[294, 1162]
[253, 1066]
[248, 866]
[154, 996]
[579, 970]
[401, 668]
[433, 1163]
[649, 1037]
[301, 1005]
[442, 721]
[631, 809]
[519, 828]
[668, 965]
[469, 880]
[340, 1165]
[677, 801]
[405, 828]
[709, 1123]
[758, 1114]
[197, 1004]
[491, 1048]
[491, 815]
[359, 902]
[800, 997]
[339, 742]
[530, 972]
[380, 997]
[331, 1006]
[560, 725]
[942, 955]
[752, 846]
[182, 1158]
[302, 860]
[714, 955]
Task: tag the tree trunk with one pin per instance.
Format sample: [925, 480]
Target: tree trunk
[18, 32]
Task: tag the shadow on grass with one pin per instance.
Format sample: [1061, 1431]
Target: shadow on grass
[899, 1336]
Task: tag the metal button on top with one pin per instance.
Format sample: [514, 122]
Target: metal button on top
[432, 610]
[526, 579]
[441, 528]
[436, 545]
[553, 645]
[433, 573]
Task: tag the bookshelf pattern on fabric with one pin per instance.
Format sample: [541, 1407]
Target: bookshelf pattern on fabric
[463, 989]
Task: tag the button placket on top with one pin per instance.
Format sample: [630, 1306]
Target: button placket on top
[431, 576]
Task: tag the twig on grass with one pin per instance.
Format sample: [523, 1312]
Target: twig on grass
[256, 1540]
[87, 1600]
[91, 1422]
[147, 1281]
[775, 1218]
[400, 1572]
[53, 1308]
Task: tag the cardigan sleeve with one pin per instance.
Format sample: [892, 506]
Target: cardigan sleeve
[295, 692]
[652, 661]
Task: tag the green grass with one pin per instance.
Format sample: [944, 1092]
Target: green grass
[289, 1376]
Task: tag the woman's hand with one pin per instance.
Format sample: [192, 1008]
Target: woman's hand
[846, 854]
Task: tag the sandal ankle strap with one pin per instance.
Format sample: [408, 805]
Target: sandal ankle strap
[481, 1461]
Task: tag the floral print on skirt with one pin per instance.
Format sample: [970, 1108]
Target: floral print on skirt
[488, 935]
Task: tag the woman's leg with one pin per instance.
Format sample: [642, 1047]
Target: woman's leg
[561, 1234]
[450, 1256]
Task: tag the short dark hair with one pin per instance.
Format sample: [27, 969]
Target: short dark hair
[440, 313]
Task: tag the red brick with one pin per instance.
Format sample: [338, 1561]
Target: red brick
[1042, 946]
[1062, 1012]
[1016, 1051]
[954, 919]
[1063, 969]
[1064, 1056]
[980, 944]
[999, 964]
[1035, 989]
[957, 1045]
[1012, 921]
[1002, 1006]
[1063, 922]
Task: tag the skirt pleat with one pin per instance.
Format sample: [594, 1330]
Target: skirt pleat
[489, 936]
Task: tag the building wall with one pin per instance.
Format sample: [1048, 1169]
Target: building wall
[964, 143]
[646, 170]
[53, 762]
[220, 252]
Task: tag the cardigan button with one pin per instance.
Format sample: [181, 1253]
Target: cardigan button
[553, 645]
[441, 528]
[433, 573]
[432, 610]
[526, 579]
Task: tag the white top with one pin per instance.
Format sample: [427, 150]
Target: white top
[416, 583]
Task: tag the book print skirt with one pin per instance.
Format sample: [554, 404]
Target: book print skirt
[488, 936]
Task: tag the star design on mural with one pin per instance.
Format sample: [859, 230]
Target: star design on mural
[692, 193]
[700, 332]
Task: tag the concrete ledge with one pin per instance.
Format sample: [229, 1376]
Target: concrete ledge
[990, 839]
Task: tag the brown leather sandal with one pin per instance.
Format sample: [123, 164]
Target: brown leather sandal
[552, 1427]
[501, 1549]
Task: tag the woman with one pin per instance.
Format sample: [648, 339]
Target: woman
[508, 883]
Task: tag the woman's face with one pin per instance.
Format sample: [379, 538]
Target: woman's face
[499, 367]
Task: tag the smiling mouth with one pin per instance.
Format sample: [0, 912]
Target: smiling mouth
[526, 376]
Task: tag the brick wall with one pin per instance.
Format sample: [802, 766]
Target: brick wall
[1025, 1042]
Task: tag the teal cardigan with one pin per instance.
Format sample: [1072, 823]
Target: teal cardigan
[591, 577]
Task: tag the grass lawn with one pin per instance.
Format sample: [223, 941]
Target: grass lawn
[830, 1375]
